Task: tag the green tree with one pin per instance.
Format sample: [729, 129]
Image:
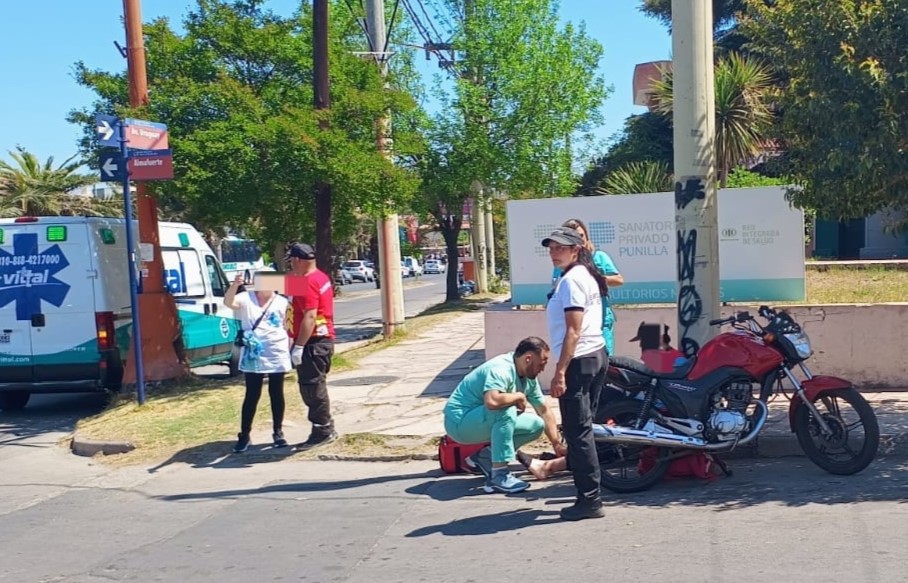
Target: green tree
[236, 92]
[724, 11]
[744, 118]
[29, 187]
[639, 177]
[645, 138]
[844, 100]
[525, 86]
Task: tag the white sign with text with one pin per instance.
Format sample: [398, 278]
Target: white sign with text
[761, 244]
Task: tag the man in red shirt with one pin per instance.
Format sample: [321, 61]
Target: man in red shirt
[313, 341]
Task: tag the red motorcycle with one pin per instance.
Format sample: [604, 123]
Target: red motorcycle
[716, 402]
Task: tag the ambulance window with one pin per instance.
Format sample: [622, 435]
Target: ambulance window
[216, 276]
[183, 273]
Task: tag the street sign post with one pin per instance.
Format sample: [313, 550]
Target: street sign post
[143, 154]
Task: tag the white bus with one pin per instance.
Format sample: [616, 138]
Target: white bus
[243, 256]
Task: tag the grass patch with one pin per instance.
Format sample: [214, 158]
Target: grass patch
[190, 413]
[857, 286]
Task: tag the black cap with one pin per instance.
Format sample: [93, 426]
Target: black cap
[301, 251]
[564, 236]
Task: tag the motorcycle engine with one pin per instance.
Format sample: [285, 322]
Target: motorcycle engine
[728, 419]
[727, 425]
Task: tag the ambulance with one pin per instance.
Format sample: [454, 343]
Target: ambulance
[65, 318]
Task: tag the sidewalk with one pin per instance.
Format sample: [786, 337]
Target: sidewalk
[400, 391]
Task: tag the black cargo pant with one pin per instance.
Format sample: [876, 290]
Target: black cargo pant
[583, 379]
[313, 381]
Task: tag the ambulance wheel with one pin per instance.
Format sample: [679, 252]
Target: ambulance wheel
[14, 400]
[233, 364]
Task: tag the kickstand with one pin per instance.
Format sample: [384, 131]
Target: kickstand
[722, 466]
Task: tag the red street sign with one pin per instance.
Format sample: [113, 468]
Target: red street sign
[146, 135]
[151, 167]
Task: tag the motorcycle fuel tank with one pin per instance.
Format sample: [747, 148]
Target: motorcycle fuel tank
[738, 350]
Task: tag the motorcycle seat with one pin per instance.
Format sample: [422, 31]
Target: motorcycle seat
[634, 365]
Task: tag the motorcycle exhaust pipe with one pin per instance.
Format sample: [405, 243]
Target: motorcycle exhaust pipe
[627, 436]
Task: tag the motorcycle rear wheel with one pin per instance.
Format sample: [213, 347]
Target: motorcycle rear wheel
[835, 452]
[628, 468]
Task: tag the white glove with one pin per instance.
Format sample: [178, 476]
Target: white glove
[296, 356]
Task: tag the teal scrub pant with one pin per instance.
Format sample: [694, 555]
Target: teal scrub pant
[504, 428]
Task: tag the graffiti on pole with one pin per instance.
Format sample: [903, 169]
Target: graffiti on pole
[688, 191]
[690, 302]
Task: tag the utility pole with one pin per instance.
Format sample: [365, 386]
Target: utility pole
[696, 213]
[322, 94]
[478, 228]
[392, 297]
[160, 325]
[490, 235]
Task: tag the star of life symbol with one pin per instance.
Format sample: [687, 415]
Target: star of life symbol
[27, 277]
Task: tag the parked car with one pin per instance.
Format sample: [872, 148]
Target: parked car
[434, 266]
[413, 264]
[405, 270]
[359, 271]
[342, 276]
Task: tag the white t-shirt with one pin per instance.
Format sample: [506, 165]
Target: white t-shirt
[271, 334]
[575, 289]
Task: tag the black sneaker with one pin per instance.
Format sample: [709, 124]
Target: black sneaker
[278, 437]
[583, 509]
[242, 443]
[316, 440]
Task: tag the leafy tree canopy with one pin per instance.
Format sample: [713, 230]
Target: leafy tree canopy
[29, 187]
[844, 101]
[249, 148]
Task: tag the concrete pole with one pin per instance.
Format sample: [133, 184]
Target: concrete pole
[490, 236]
[696, 213]
[160, 325]
[478, 228]
[321, 90]
[392, 296]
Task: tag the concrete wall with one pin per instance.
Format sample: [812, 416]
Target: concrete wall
[862, 343]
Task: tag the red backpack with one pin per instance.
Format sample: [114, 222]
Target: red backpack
[451, 454]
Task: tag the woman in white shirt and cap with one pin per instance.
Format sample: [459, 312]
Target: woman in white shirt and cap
[574, 318]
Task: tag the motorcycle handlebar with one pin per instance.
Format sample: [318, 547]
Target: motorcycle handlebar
[739, 317]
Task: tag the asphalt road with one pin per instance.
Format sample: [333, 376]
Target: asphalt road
[357, 310]
[233, 519]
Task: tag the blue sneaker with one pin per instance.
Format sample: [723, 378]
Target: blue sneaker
[480, 462]
[505, 482]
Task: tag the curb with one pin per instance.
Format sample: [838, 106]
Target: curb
[91, 448]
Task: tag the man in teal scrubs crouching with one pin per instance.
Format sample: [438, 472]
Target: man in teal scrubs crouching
[490, 405]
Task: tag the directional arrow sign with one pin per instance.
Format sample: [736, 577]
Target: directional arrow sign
[111, 166]
[106, 129]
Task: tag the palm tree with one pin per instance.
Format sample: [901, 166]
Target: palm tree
[743, 88]
[638, 177]
[34, 189]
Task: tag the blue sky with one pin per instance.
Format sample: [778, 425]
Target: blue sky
[39, 46]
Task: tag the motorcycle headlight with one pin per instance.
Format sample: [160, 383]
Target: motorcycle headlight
[801, 343]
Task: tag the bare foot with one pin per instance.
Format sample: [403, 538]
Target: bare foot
[539, 469]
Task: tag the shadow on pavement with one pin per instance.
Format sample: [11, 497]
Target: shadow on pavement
[49, 414]
[219, 454]
[490, 523]
[296, 487]
[445, 381]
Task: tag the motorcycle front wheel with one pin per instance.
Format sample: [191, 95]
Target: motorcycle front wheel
[854, 435]
[628, 468]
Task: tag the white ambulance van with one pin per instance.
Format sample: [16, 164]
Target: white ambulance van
[65, 315]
